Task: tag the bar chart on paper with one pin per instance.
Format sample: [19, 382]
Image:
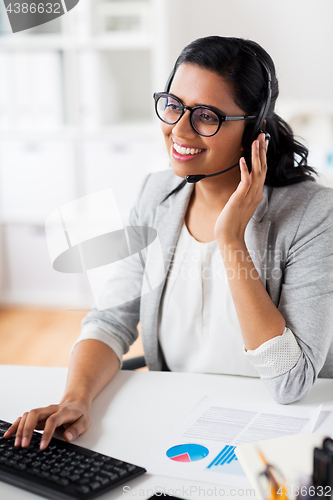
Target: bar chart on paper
[226, 462]
[187, 452]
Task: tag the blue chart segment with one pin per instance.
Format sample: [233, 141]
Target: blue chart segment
[187, 452]
[226, 462]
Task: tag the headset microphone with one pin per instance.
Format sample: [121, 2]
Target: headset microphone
[191, 179]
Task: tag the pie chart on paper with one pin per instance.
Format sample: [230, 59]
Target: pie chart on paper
[187, 452]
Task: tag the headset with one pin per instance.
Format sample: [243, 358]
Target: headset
[251, 131]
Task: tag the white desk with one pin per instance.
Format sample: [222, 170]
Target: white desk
[133, 413]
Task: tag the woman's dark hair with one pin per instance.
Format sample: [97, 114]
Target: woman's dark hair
[237, 61]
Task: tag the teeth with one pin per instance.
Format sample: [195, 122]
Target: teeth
[186, 151]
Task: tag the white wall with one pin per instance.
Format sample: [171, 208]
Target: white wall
[298, 34]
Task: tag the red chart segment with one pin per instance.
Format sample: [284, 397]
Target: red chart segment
[185, 457]
[187, 452]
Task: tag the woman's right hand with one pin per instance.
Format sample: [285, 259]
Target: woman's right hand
[73, 415]
[93, 364]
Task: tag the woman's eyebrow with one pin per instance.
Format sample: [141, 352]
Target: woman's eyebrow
[213, 108]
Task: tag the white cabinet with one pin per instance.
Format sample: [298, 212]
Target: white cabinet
[29, 277]
[36, 176]
[76, 116]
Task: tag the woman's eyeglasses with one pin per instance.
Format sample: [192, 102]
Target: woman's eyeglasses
[205, 120]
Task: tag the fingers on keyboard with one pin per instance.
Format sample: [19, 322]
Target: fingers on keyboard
[49, 418]
[22, 435]
[12, 429]
[34, 420]
[25, 425]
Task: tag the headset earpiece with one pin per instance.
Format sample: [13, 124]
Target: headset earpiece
[251, 131]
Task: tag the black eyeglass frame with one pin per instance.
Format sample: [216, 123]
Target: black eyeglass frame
[221, 116]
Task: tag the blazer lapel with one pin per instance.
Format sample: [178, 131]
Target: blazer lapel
[169, 218]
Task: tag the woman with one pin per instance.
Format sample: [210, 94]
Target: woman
[247, 248]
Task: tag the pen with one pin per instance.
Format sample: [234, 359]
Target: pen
[276, 490]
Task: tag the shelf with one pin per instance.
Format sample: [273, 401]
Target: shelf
[72, 301]
[117, 41]
[26, 42]
[76, 117]
[75, 132]
[21, 220]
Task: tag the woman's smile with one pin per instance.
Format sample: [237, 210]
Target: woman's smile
[185, 152]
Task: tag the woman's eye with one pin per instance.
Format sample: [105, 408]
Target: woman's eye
[173, 106]
[208, 118]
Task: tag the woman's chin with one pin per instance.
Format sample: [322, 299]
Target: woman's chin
[181, 170]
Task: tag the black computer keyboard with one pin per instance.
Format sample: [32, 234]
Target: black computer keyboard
[61, 471]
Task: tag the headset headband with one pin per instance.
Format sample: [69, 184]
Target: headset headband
[259, 125]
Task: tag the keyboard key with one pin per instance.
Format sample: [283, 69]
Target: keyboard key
[102, 480]
[97, 464]
[95, 485]
[105, 481]
[33, 471]
[83, 489]
[74, 477]
[20, 466]
[120, 471]
[84, 481]
[111, 475]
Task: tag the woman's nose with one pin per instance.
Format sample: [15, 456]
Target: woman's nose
[184, 128]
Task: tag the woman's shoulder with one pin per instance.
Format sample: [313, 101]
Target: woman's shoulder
[306, 201]
[302, 193]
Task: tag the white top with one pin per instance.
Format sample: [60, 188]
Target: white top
[198, 324]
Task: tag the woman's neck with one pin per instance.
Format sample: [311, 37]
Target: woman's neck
[213, 193]
[207, 202]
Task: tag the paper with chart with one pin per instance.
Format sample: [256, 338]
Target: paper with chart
[202, 447]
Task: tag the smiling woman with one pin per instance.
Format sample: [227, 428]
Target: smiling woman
[246, 237]
[194, 85]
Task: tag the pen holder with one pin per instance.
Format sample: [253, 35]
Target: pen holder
[321, 484]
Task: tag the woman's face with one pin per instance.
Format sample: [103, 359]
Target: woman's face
[194, 86]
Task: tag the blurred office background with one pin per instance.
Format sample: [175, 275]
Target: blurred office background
[76, 117]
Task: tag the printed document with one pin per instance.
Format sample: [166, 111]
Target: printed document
[202, 447]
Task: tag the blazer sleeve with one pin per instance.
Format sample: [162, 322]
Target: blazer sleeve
[117, 326]
[306, 300]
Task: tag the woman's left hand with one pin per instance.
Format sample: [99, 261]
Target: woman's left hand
[232, 221]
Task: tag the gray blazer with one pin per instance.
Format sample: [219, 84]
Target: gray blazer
[289, 239]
